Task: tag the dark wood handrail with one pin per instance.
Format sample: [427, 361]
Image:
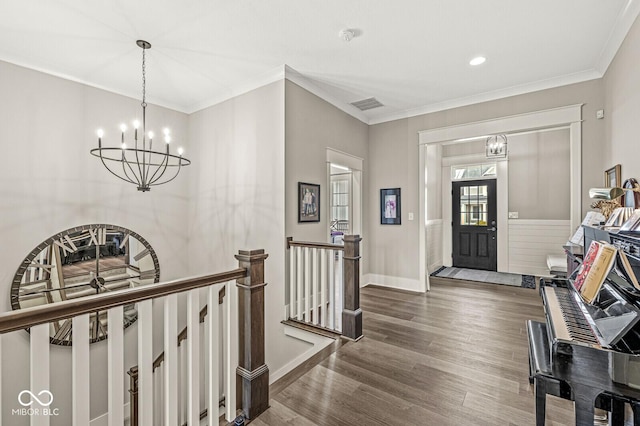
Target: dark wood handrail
[291, 243]
[28, 317]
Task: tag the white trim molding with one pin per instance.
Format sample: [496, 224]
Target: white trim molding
[568, 116]
[316, 341]
[399, 283]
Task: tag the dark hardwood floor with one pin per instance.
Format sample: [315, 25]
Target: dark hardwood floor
[455, 356]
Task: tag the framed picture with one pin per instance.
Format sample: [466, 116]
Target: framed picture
[612, 177]
[308, 202]
[390, 206]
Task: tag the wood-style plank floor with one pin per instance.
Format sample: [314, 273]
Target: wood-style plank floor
[455, 356]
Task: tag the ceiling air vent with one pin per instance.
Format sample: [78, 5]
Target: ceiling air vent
[366, 104]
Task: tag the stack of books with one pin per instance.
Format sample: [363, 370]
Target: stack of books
[619, 217]
[632, 224]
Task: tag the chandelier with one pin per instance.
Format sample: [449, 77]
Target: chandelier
[496, 146]
[139, 164]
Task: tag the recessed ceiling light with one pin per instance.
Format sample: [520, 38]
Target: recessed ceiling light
[477, 60]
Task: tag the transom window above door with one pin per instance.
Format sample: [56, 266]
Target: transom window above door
[473, 171]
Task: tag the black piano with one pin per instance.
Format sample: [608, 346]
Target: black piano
[589, 353]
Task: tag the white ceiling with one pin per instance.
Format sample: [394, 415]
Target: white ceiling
[412, 55]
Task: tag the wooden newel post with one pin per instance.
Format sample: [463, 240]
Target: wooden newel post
[351, 313]
[252, 372]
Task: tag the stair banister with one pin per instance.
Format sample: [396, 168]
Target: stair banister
[247, 348]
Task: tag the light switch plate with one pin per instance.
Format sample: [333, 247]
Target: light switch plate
[513, 215]
[410, 216]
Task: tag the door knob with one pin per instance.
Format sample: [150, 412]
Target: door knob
[493, 228]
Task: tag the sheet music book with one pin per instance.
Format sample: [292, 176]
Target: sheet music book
[594, 269]
[590, 219]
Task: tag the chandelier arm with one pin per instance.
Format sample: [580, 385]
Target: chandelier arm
[174, 176]
[112, 172]
[124, 169]
[163, 166]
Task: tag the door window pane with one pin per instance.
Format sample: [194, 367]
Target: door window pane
[473, 205]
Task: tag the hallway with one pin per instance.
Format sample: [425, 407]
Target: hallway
[457, 356]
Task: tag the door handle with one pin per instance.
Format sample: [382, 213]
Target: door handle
[493, 228]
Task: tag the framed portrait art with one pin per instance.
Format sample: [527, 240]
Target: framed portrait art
[390, 206]
[308, 202]
[612, 177]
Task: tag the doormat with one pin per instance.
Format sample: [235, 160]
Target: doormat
[516, 280]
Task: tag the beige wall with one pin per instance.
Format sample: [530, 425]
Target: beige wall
[311, 126]
[237, 199]
[538, 172]
[394, 251]
[622, 108]
[539, 175]
[49, 183]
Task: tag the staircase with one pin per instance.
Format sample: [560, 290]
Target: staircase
[221, 348]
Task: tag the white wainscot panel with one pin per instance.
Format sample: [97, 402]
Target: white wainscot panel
[530, 241]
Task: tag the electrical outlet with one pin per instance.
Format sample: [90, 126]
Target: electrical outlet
[600, 114]
[513, 215]
[410, 216]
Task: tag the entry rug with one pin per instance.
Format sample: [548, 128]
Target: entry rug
[516, 280]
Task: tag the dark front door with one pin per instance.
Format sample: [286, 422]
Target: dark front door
[474, 225]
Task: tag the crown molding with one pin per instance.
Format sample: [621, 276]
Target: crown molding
[309, 85]
[260, 80]
[491, 96]
[623, 24]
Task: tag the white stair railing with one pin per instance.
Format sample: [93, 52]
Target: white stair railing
[194, 360]
[315, 284]
[323, 285]
[174, 393]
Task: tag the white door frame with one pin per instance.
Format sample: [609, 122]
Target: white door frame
[570, 116]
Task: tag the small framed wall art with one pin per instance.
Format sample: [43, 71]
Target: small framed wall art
[612, 177]
[390, 206]
[308, 202]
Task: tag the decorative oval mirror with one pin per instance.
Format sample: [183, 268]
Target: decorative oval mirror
[83, 261]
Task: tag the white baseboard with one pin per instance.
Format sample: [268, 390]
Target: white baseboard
[317, 341]
[103, 420]
[400, 283]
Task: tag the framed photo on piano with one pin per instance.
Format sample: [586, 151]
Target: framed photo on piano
[612, 177]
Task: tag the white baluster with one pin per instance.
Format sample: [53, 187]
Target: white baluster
[323, 287]
[332, 290]
[81, 370]
[339, 290]
[299, 281]
[307, 284]
[214, 350]
[292, 282]
[147, 392]
[193, 357]
[115, 366]
[39, 359]
[231, 349]
[181, 385]
[1, 364]
[171, 360]
[314, 281]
